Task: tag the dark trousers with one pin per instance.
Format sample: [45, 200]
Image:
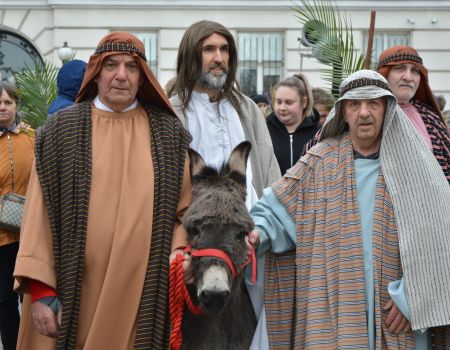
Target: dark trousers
[9, 301]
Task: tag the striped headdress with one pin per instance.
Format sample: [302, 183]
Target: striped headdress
[401, 54]
[119, 43]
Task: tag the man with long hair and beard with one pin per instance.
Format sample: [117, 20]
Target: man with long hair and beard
[218, 116]
[209, 104]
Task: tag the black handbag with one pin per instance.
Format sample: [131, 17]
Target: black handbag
[11, 204]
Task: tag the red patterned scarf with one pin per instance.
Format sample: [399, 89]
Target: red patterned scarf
[439, 135]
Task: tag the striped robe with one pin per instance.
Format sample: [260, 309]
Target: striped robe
[122, 175]
[315, 298]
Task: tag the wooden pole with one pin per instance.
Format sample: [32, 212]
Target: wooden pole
[370, 40]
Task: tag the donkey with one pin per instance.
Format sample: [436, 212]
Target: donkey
[218, 218]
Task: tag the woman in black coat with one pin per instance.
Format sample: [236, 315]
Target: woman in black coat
[294, 121]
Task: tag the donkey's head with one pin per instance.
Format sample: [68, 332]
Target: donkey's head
[218, 218]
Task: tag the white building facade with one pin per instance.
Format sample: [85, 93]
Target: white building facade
[266, 33]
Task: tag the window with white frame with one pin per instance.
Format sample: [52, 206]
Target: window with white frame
[383, 41]
[261, 57]
[150, 40]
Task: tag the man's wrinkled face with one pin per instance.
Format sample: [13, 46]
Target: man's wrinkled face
[215, 57]
[365, 121]
[404, 80]
[118, 81]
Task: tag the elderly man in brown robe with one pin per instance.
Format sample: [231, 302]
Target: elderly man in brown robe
[102, 214]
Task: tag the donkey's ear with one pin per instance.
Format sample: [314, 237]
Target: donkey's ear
[197, 162]
[238, 157]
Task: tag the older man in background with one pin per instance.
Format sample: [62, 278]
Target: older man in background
[408, 78]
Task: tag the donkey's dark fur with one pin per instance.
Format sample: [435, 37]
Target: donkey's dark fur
[218, 218]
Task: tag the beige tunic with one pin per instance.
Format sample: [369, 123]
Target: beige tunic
[118, 235]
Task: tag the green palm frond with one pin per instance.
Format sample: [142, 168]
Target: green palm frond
[331, 37]
[38, 89]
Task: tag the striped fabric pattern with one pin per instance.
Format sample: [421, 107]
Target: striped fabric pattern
[421, 196]
[441, 338]
[119, 47]
[401, 56]
[440, 138]
[64, 163]
[318, 302]
[357, 83]
[169, 143]
[415, 189]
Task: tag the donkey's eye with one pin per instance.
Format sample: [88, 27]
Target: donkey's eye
[241, 235]
[193, 231]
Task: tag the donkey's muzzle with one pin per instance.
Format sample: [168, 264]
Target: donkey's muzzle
[214, 301]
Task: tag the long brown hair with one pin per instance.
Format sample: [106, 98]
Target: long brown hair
[189, 63]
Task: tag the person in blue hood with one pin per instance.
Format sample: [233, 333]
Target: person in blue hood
[69, 81]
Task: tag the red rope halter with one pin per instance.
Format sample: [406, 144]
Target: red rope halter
[179, 294]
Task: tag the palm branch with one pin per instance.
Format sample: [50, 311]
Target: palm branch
[330, 35]
[38, 89]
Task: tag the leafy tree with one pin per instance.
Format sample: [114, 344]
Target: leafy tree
[329, 33]
[37, 87]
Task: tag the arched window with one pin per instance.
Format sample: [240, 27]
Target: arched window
[16, 53]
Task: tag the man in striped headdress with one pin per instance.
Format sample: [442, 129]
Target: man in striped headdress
[408, 78]
[370, 232]
[103, 207]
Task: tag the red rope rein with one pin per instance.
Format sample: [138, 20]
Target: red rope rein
[178, 295]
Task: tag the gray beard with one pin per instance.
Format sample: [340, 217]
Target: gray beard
[212, 81]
